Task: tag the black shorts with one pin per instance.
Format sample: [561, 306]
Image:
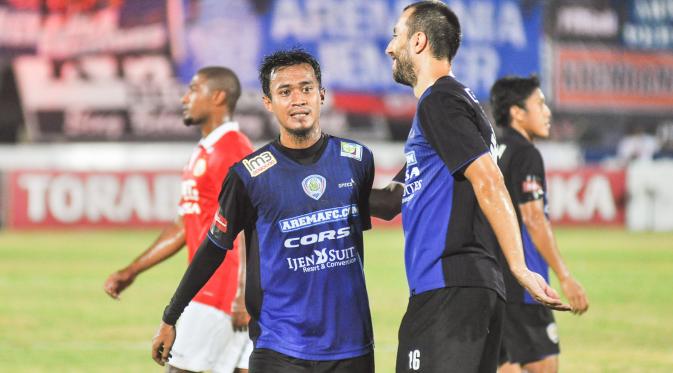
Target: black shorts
[268, 361]
[530, 334]
[456, 329]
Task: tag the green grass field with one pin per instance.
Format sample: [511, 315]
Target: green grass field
[54, 316]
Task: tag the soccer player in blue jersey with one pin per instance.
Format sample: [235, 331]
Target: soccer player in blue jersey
[530, 339]
[453, 200]
[302, 201]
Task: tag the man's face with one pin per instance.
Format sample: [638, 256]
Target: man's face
[295, 98]
[196, 102]
[537, 115]
[398, 49]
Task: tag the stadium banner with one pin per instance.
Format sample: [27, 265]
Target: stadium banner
[68, 199]
[93, 70]
[587, 196]
[349, 38]
[616, 80]
[645, 25]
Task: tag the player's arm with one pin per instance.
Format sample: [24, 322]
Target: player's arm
[449, 124]
[235, 213]
[386, 203]
[169, 242]
[494, 201]
[539, 228]
[239, 314]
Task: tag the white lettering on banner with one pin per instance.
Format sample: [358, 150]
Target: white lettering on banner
[71, 198]
[567, 200]
[478, 66]
[483, 21]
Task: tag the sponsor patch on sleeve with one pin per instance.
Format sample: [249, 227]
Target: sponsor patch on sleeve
[350, 150]
[219, 226]
[533, 186]
[260, 163]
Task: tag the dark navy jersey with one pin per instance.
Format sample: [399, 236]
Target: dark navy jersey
[305, 287]
[448, 241]
[522, 167]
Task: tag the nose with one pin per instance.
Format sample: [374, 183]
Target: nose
[389, 48]
[297, 98]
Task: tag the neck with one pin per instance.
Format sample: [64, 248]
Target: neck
[429, 70]
[518, 128]
[214, 122]
[292, 141]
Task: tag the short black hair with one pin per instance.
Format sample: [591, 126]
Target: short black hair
[439, 23]
[283, 58]
[220, 78]
[511, 91]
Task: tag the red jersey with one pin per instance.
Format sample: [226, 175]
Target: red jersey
[201, 182]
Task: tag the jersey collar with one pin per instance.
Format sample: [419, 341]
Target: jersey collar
[209, 141]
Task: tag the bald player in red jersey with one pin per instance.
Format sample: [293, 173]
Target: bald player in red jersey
[211, 334]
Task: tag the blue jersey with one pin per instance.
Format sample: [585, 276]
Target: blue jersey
[523, 169]
[448, 241]
[306, 289]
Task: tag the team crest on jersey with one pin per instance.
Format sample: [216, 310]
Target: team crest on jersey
[260, 163]
[411, 158]
[199, 167]
[350, 150]
[314, 186]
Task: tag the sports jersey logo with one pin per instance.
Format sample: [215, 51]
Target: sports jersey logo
[314, 186]
[348, 184]
[323, 259]
[317, 218]
[533, 186]
[350, 150]
[199, 167]
[260, 163]
[220, 222]
[411, 158]
[471, 94]
[313, 238]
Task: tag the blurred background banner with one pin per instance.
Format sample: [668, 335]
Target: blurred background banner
[87, 83]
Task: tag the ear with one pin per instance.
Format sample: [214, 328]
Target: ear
[419, 42]
[516, 113]
[219, 97]
[267, 103]
[322, 95]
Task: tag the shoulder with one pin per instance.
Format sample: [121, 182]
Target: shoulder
[233, 146]
[448, 91]
[257, 162]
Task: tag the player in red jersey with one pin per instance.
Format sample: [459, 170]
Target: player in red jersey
[211, 332]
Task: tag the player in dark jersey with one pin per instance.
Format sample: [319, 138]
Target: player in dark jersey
[530, 339]
[302, 201]
[453, 190]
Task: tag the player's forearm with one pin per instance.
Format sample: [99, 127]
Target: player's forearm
[169, 242]
[205, 262]
[386, 203]
[543, 237]
[496, 205]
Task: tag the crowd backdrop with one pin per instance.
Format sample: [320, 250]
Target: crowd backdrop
[91, 118]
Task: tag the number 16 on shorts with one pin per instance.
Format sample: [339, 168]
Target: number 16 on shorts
[414, 359]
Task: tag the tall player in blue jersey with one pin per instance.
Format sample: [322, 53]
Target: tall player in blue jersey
[302, 201]
[530, 339]
[453, 191]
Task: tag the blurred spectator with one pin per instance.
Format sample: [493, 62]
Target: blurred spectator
[637, 144]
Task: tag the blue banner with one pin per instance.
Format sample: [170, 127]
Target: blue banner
[349, 37]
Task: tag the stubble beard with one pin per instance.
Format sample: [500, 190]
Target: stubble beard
[404, 73]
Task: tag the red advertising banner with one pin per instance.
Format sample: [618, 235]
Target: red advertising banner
[57, 199]
[613, 79]
[589, 195]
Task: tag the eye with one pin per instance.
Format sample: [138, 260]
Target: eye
[284, 92]
[307, 89]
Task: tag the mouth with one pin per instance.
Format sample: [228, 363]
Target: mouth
[299, 114]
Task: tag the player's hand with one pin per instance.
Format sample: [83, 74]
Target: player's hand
[117, 282]
[162, 343]
[575, 294]
[239, 315]
[541, 291]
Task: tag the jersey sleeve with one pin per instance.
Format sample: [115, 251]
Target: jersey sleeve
[235, 212]
[401, 176]
[528, 176]
[365, 190]
[449, 124]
